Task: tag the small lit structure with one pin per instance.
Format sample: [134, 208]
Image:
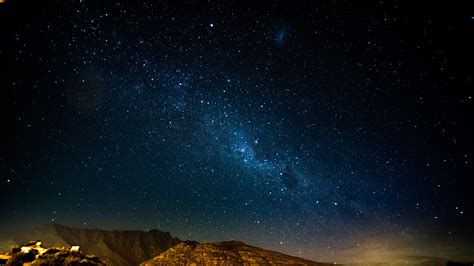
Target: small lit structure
[25, 249]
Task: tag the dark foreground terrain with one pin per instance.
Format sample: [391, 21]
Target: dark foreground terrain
[113, 247]
[74, 246]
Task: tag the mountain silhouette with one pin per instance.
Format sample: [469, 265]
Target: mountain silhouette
[113, 247]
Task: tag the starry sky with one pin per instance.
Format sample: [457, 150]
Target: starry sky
[320, 129]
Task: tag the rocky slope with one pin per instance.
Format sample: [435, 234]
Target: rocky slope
[224, 253]
[114, 247]
[34, 253]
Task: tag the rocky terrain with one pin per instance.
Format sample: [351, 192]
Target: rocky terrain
[224, 253]
[139, 247]
[155, 248]
[113, 247]
[33, 253]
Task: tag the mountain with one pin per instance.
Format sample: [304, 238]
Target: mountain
[114, 247]
[224, 253]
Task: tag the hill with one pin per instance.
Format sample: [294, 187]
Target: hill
[224, 253]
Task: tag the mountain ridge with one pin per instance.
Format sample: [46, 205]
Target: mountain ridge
[154, 247]
[114, 247]
[232, 252]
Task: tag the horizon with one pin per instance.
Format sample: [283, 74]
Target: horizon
[341, 260]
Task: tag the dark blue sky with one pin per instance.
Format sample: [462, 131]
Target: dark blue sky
[304, 128]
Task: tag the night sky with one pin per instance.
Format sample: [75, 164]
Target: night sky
[324, 130]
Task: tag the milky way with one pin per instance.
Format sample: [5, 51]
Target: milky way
[312, 129]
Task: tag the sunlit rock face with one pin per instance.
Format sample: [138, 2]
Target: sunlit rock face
[223, 253]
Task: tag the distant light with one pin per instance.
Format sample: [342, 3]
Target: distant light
[210, 25]
[25, 249]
